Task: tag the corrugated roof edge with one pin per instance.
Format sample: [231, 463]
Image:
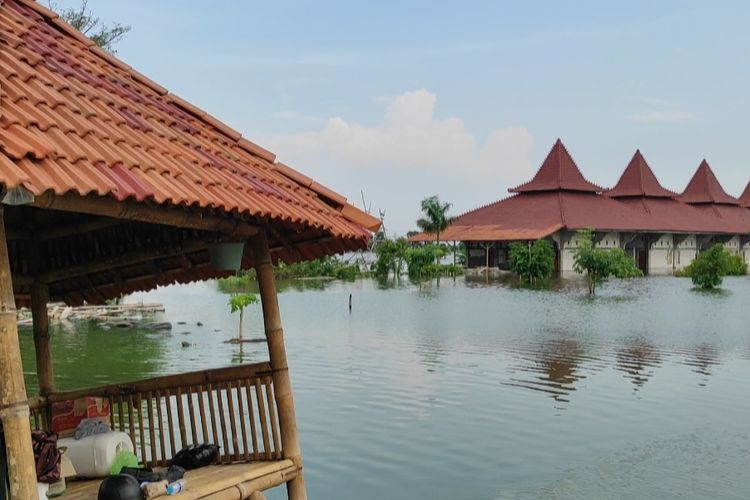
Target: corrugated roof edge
[222, 127]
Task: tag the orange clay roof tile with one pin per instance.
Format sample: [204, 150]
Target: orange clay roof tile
[74, 118]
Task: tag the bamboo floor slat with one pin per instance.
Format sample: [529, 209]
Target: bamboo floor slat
[207, 481]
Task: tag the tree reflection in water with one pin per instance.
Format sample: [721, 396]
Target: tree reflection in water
[637, 359]
[701, 358]
[556, 364]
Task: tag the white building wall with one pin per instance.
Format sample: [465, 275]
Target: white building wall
[685, 252]
[745, 252]
[664, 256]
[571, 241]
[661, 255]
[733, 245]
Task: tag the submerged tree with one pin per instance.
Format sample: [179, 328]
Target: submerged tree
[238, 302]
[435, 216]
[599, 264]
[423, 261]
[532, 262]
[709, 268]
[391, 257]
[82, 19]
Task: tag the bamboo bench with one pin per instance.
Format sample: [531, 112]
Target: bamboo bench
[232, 407]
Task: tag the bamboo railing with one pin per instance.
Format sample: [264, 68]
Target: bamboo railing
[232, 407]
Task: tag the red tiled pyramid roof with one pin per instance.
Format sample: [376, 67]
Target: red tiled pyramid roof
[639, 180]
[704, 187]
[568, 209]
[558, 172]
[638, 202]
[75, 119]
[745, 197]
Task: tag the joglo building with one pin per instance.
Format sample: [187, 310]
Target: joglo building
[661, 229]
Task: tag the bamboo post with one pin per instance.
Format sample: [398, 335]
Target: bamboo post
[14, 407]
[44, 372]
[277, 355]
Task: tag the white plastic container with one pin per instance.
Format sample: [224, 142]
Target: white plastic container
[93, 456]
[41, 489]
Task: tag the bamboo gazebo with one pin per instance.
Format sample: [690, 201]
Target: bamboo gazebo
[110, 185]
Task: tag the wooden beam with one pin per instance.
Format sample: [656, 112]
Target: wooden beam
[14, 407]
[143, 212]
[22, 279]
[202, 377]
[277, 353]
[75, 229]
[109, 263]
[121, 282]
[285, 243]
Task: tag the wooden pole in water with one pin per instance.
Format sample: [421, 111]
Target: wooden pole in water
[277, 354]
[44, 372]
[14, 407]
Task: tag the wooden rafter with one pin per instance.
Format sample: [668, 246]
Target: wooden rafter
[143, 212]
[109, 263]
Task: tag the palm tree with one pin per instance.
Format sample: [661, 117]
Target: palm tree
[435, 218]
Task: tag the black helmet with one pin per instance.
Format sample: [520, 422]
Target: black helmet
[120, 487]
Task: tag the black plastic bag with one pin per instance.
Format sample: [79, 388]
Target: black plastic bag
[146, 475]
[196, 456]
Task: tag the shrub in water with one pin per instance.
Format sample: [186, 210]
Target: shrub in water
[708, 269]
[599, 264]
[532, 262]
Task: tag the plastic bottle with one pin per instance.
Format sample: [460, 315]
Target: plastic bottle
[176, 487]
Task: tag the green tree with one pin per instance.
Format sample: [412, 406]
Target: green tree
[82, 19]
[238, 302]
[532, 262]
[391, 257]
[599, 264]
[710, 266]
[423, 261]
[435, 216]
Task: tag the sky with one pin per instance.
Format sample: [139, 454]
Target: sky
[400, 100]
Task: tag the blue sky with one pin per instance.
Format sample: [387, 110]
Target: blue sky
[462, 99]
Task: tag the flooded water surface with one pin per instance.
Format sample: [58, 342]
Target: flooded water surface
[474, 390]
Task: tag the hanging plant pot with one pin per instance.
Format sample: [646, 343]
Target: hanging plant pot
[226, 256]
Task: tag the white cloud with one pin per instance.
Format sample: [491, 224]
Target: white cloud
[410, 137]
[660, 116]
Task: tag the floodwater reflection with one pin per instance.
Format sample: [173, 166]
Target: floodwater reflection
[551, 366]
[640, 392]
[638, 359]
